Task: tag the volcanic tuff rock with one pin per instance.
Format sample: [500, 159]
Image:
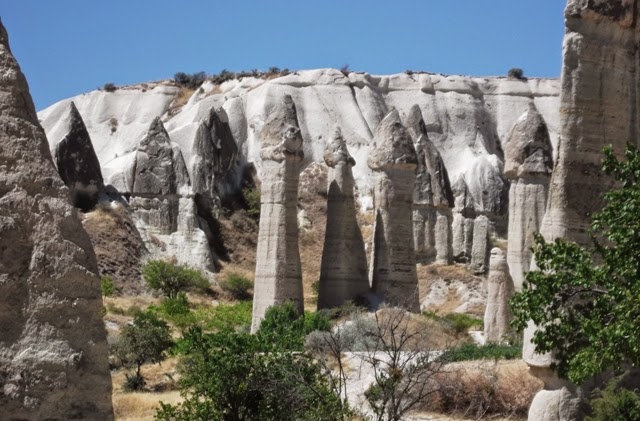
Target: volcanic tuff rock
[528, 165]
[393, 266]
[53, 348]
[500, 288]
[433, 197]
[76, 160]
[343, 274]
[278, 275]
[598, 106]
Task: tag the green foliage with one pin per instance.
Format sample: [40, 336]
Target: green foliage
[228, 317]
[106, 286]
[615, 404]
[238, 376]
[109, 87]
[146, 340]
[251, 199]
[191, 81]
[238, 286]
[516, 73]
[170, 278]
[175, 306]
[457, 323]
[472, 351]
[585, 300]
[283, 323]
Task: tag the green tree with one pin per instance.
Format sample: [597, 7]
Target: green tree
[146, 340]
[170, 278]
[238, 376]
[585, 299]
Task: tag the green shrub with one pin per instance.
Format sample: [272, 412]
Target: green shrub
[191, 81]
[238, 286]
[472, 351]
[456, 323]
[170, 278]
[109, 87]
[106, 286]
[175, 306]
[516, 73]
[251, 199]
[615, 404]
[284, 324]
[133, 311]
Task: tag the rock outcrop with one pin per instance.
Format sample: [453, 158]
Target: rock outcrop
[77, 162]
[598, 106]
[343, 273]
[53, 348]
[500, 288]
[393, 266]
[528, 165]
[278, 275]
[433, 198]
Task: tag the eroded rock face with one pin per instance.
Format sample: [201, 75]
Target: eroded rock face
[528, 165]
[343, 274]
[278, 275]
[500, 288]
[77, 162]
[53, 348]
[393, 267]
[433, 198]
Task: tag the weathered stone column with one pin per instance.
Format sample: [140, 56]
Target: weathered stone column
[53, 346]
[528, 165]
[278, 274]
[598, 106]
[393, 266]
[433, 198]
[343, 273]
[498, 314]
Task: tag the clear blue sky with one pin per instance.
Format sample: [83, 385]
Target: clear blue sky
[67, 47]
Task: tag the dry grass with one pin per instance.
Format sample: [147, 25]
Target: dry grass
[181, 98]
[141, 406]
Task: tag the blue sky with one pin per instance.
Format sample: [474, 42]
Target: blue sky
[67, 47]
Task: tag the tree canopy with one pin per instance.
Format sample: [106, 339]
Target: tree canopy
[585, 299]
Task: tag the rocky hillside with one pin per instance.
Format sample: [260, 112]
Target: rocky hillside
[175, 156]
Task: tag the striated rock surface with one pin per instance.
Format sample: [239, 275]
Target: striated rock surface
[433, 198]
[393, 267]
[598, 106]
[53, 348]
[480, 247]
[343, 274]
[278, 275]
[77, 162]
[500, 288]
[528, 165]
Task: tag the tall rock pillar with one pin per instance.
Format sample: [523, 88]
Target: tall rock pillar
[498, 314]
[53, 345]
[278, 274]
[528, 165]
[393, 266]
[433, 198]
[343, 273]
[598, 106]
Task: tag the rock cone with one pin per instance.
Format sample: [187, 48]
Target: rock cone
[53, 348]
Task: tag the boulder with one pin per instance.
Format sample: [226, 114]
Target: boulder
[393, 266]
[343, 272]
[278, 275]
[53, 347]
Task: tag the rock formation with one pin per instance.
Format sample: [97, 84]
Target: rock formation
[53, 348]
[500, 288]
[480, 247]
[528, 165]
[77, 162]
[433, 198]
[343, 273]
[393, 267]
[278, 275]
[598, 106]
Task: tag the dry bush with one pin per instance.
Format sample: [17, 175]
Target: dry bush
[181, 98]
[485, 390]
